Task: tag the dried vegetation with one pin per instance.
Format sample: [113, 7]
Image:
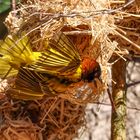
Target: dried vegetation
[103, 27]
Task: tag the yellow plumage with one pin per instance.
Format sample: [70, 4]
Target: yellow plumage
[6, 70]
[14, 53]
[39, 73]
[61, 59]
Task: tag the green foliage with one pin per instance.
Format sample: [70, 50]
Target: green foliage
[4, 5]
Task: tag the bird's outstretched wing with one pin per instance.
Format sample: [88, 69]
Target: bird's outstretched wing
[14, 53]
[29, 85]
[16, 48]
[61, 59]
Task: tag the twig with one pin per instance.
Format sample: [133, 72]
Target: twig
[111, 100]
[13, 5]
[107, 104]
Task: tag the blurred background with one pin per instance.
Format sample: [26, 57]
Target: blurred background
[5, 7]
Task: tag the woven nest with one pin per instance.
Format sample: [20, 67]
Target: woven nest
[89, 24]
[53, 118]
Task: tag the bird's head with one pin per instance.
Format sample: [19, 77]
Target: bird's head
[90, 69]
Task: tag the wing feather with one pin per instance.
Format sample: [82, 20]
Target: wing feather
[29, 85]
[15, 47]
[6, 70]
[14, 53]
[61, 59]
[32, 85]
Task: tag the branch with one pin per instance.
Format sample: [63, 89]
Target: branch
[118, 126]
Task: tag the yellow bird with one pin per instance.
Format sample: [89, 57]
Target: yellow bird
[44, 72]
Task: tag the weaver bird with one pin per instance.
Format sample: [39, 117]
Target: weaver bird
[50, 71]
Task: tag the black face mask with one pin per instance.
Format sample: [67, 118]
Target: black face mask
[96, 73]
